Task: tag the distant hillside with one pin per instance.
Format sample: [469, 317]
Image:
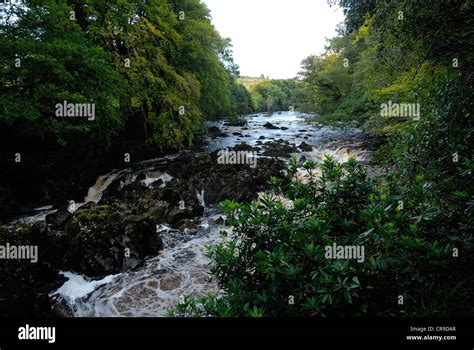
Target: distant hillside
[248, 82]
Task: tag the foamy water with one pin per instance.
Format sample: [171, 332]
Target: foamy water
[182, 267]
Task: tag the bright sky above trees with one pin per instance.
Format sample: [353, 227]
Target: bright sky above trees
[272, 36]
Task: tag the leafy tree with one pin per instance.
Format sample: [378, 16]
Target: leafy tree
[48, 60]
[284, 94]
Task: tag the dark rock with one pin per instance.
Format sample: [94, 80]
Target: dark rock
[220, 221]
[99, 237]
[262, 137]
[237, 134]
[58, 219]
[158, 211]
[141, 177]
[236, 122]
[269, 125]
[60, 308]
[115, 187]
[274, 149]
[187, 224]
[25, 285]
[177, 214]
[214, 130]
[157, 184]
[284, 128]
[243, 147]
[305, 147]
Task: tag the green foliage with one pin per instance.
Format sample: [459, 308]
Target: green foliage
[386, 51]
[275, 262]
[248, 82]
[241, 100]
[151, 74]
[439, 149]
[284, 94]
[58, 64]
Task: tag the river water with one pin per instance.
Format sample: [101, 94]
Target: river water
[182, 266]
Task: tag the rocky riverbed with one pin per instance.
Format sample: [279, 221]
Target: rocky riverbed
[136, 243]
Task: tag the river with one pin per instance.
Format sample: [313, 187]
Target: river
[182, 266]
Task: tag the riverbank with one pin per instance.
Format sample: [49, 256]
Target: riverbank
[135, 244]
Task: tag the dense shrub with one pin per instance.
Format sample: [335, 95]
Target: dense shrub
[275, 263]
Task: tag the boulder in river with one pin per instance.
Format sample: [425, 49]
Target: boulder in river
[58, 219]
[236, 122]
[178, 214]
[305, 147]
[243, 147]
[104, 241]
[216, 132]
[274, 149]
[269, 125]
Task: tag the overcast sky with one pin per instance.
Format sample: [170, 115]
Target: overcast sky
[271, 37]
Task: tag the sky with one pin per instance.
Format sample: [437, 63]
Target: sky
[272, 37]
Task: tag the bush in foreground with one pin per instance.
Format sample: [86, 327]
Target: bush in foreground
[276, 263]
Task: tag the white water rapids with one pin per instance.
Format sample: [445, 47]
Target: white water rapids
[182, 267]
